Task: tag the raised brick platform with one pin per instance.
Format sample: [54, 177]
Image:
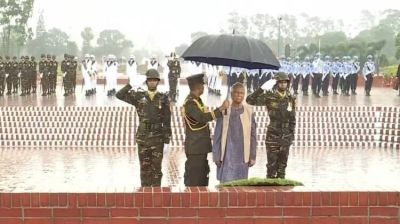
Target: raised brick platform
[201, 206]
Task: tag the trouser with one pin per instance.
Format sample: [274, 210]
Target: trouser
[15, 83]
[304, 83]
[353, 81]
[335, 82]
[277, 157]
[325, 85]
[196, 170]
[150, 158]
[368, 83]
[346, 84]
[316, 83]
[2, 84]
[249, 82]
[173, 82]
[296, 81]
[9, 81]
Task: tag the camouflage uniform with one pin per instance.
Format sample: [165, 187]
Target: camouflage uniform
[154, 128]
[280, 134]
[7, 69]
[33, 74]
[197, 137]
[24, 69]
[53, 72]
[174, 74]
[2, 76]
[44, 73]
[14, 70]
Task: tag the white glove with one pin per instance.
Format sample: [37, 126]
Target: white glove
[269, 84]
[64, 74]
[6, 75]
[166, 148]
[19, 75]
[41, 75]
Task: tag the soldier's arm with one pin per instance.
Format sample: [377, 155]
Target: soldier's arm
[292, 117]
[193, 111]
[166, 120]
[127, 95]
[258, 98]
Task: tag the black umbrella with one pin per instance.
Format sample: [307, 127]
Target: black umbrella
[233, 51]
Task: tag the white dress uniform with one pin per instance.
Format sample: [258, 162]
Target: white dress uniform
[131, 70]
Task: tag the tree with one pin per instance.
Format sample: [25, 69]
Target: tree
[72, 48]
[367, 20]
[14, 16]
[87, 37]
[57, 41]
[397, 43]
[112, 42]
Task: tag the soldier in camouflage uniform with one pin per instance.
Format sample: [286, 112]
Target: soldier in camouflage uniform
[2, 76]
[281, 110]
[69, 69]
[33, 74]
[174, 74]
[44, 74]
[14, 70]
[7, 64]
[54, 71]
[197, 132]
[153, 109]
[24, 71]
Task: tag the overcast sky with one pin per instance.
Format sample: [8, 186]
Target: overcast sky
[163, 24]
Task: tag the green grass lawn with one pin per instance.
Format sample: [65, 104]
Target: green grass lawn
[255, 181]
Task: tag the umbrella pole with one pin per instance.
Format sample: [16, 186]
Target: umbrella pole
[229, 79]
[228, 89]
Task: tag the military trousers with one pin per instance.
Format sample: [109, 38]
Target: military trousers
[173, 82]
[196, 170]
[2, 83]
[277, 157]
[150, 158]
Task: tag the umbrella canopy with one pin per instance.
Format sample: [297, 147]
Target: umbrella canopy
[233, 51]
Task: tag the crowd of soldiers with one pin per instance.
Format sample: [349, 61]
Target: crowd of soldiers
[22, 75]
[16, 74]
[339, 75]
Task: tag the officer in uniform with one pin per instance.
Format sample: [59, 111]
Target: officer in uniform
[281, 110]
[354, 75]
[65, 68]
[153, 109]
[33, 76]
[54, 71]
[25, 77]
[8, 76]
[2, 76]
[174, 74]
[336, 66]
[44, 74]
[369, 71]
[197, 132]
[14, 70]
